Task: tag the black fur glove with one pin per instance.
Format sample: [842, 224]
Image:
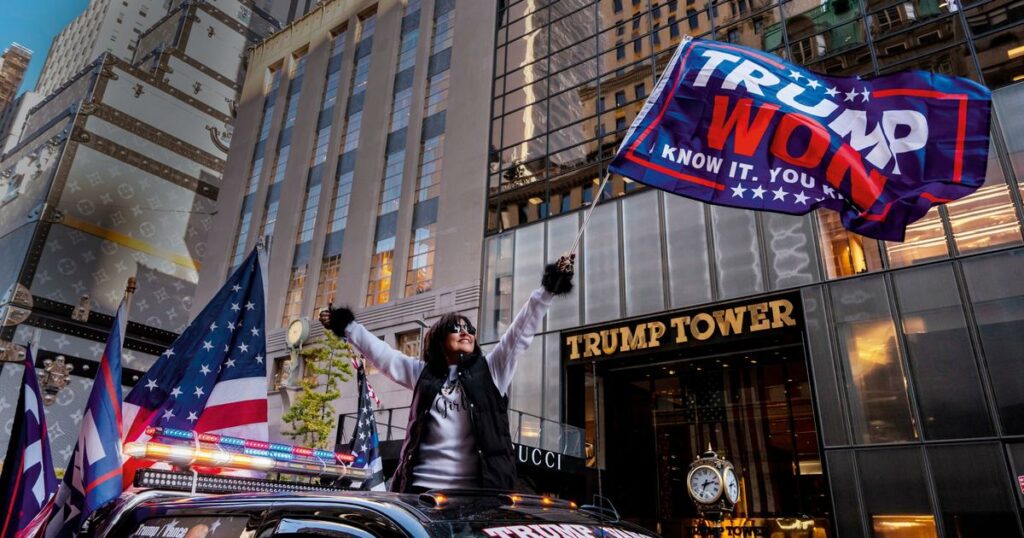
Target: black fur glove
[557, 277]
[337, 319]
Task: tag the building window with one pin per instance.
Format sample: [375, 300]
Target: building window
[638, 46]
[620, 98]
[734, 35]
[409, 343]
[876, 376]
[293, 297]
[673, 26]
[691, 14]
[620, 124]
[617, 6]
[640, 91]
[620, 52]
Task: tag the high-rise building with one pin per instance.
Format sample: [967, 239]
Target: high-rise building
[12, 119]
[287, 11]
[358, 151]
[857, 384]
[116, 175]
[13, 64]
[112, 26]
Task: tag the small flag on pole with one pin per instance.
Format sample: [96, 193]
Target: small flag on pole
[213, 378]
[734, 126]
[365, 444]
[27, 481]
[93, 476]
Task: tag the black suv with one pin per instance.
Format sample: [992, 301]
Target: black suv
[161, 513]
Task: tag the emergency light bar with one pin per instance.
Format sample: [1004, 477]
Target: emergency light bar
[278, 451]
[173, 481]
[211, 450]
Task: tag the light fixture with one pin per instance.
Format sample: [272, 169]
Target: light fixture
[1016, 51]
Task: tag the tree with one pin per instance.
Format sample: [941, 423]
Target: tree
[311, 416]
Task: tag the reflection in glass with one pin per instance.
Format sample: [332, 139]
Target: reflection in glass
[982, 508]
[998, 301]
[1000, 53]
[922, 526]
[846, 253]
[497, 300]
[903, 46]
[737, 252]
[1008, 102]
[925, 241]
[792, 258]
[876, 380]
[946, 380]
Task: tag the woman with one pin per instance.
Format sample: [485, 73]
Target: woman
[458, 432]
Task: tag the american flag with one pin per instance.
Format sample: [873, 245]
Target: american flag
[212, 379]
[93, 477]
[730, 411]
[365, 444]
[27, 481]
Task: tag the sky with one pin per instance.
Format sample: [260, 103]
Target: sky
[33, 23]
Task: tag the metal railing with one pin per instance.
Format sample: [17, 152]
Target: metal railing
[526, 429]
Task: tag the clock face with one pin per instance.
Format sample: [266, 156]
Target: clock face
[296, 332]
[732, 485]
[705, 484]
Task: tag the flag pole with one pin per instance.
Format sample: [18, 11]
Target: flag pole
[586, 219]
[129, 291]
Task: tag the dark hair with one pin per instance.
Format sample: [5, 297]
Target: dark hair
[433, 342]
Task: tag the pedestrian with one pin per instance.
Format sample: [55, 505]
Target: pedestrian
[458, 432]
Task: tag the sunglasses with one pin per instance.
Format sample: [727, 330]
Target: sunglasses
[456, 328]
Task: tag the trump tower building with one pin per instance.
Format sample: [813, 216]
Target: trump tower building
[862, 387]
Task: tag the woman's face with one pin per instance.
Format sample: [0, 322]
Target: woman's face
[462, 340]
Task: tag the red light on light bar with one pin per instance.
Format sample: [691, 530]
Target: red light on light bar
[303, 451]
[262, 445]
[209, 438]
[344, 458]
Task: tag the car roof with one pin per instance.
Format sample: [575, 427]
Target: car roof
[457, 506]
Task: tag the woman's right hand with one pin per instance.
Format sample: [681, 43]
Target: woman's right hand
[325, 318]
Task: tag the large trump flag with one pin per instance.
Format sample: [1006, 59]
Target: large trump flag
[735, 126]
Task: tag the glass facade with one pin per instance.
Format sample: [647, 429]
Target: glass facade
[909, 349]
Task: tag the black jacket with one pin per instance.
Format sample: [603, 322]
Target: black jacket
[488, 415]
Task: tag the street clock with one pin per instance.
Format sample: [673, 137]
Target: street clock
[713, 485]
